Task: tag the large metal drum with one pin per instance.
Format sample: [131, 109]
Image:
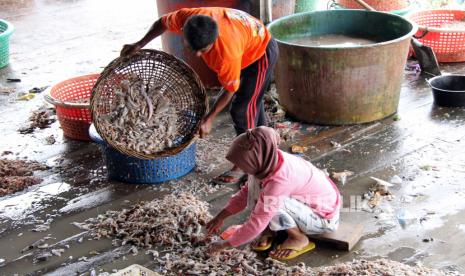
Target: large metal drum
[338, 85]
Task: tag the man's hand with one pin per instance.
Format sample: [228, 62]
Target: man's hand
[205, 127]
[214, 225]
[130, 50]
[216, 247]
[222, 101]
[155, 30]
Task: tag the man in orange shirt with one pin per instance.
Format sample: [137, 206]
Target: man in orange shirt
[236, 46]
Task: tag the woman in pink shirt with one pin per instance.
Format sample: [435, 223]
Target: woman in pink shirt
[283, 192]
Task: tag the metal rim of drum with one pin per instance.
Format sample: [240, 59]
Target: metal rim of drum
[149, 60]
[392, 41]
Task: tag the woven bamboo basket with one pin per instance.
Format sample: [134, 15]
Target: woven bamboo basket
[183, 89]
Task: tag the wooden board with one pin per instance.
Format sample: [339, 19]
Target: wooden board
[345, 238]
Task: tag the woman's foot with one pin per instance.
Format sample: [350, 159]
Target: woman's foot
[264, 242]
[233, 176]
[296, 244]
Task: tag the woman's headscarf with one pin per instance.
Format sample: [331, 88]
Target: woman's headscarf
[255, 151]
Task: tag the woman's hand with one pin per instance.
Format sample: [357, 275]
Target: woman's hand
[214, 225]
[216, 247]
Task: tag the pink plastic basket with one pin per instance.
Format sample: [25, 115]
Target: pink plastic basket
[72, 102]
[447, 43]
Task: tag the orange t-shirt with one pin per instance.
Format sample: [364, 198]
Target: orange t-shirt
[242, 40]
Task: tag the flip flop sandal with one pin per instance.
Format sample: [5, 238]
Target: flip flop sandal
[269, 239]
[298, 251]
[239, 176]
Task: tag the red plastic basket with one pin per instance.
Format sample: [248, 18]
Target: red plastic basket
[72, 102]
[447, 44]
[379, 5]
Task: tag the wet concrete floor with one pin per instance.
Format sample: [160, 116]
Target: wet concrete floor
[56, 40]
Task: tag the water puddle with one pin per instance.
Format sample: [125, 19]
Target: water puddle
[88, 200]
[31, 201]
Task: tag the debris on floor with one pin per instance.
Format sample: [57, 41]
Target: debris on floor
[277, 116]
[50, 140]
[211, 153]
[195, 261]
[37, 244]
[298, 149]
[406, 218]
[335, 144]
[16, 175]
[427, 240]
[377, 267]
[13, 80]
[40, 118]
[273, 109]
[195, 186]
[37, 90]
[7, 90]
[341, 177]
[26, 97]
[382, 186]
[287, 130]
[412, 68]
[42, 257]
[376, 194]
[173, 220]
[428, 168]
[41, 227]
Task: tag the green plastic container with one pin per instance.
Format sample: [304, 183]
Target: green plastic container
[402, 12]
[6, 29]
[305, 5]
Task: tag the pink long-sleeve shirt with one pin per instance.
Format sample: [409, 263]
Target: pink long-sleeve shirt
[294, 177]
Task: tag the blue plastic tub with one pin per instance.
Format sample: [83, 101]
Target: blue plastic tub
[125, 168]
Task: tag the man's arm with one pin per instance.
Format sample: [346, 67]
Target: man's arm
[220, 104]
[155, 30]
